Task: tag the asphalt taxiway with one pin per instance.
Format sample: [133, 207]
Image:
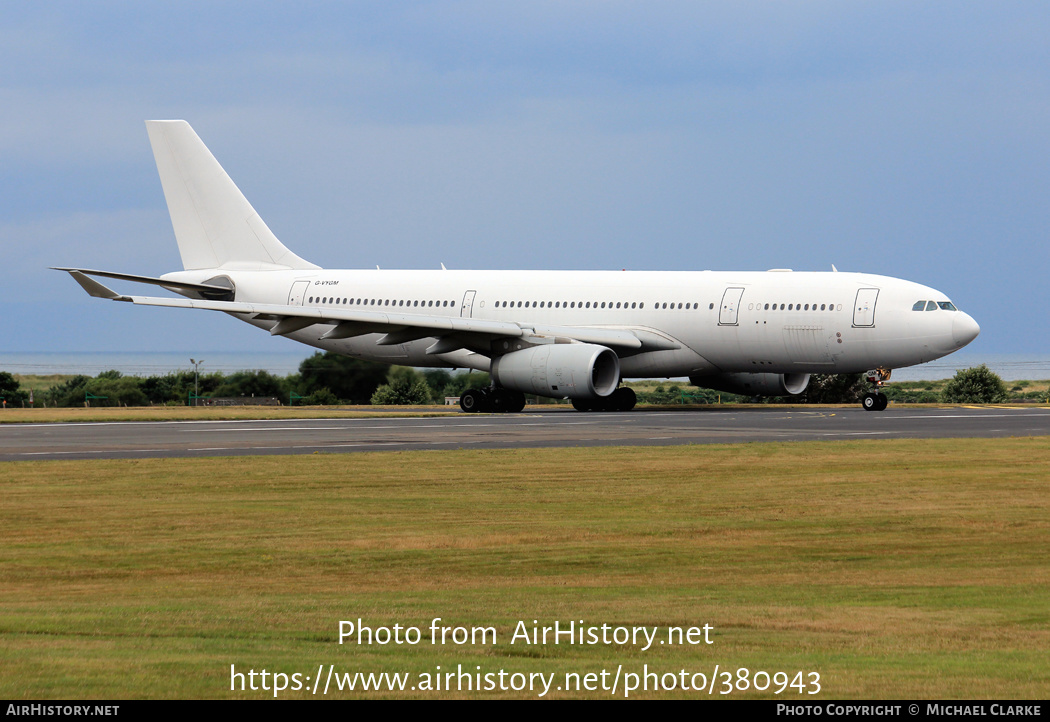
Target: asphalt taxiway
[532, 429]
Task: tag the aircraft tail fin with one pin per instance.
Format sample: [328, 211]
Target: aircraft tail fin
[215, 225]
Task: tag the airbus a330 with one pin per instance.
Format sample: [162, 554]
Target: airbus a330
[559, 334]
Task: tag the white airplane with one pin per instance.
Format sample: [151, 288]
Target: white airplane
[560, 334]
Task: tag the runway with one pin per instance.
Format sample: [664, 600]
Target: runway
[532, 429]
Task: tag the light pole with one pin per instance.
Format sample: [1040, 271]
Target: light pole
[196, 370]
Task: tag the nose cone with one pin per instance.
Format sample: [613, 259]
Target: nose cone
[964, 329]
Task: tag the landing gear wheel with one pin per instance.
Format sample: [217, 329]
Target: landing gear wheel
[623, 399]
[473, 400]
[515, 402]
[504, 401]
[875, 401]
[583, 404]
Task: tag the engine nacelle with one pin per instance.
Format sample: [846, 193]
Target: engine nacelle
[573, 370]
[747, 384]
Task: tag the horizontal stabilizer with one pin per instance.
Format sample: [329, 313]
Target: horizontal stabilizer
[94, 288]
[202, 288]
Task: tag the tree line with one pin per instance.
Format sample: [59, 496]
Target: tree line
[330, 379]
[322, 379]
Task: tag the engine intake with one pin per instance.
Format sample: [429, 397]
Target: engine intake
[748, 384]
[574, 370]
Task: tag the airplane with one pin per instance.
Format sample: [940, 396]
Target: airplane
[558, 334]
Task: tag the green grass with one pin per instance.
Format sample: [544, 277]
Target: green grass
[895, 569]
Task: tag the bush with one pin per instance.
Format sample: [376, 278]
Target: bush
[402, 392]
[251, 383]
[321, 397]
[115, 390]
[10, 390]
[978, 385]
[69, 392]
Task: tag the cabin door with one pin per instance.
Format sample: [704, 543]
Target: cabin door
[295, 296]
[727, 315]
[864, 308]
[468, 304]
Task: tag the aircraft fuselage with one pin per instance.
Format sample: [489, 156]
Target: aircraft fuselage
[761, 322]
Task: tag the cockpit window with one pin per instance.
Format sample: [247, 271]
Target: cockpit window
[919, 305]
[931, 306]
[947, 306]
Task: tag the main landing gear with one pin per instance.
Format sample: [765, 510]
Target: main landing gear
[505, 401]
[500, 401]
[622, 399]
[876, 400]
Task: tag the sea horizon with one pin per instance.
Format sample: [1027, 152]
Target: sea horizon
[1011, 367]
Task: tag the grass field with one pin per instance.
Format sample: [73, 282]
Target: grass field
[894, 569]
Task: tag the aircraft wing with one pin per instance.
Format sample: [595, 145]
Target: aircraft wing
[452, 332]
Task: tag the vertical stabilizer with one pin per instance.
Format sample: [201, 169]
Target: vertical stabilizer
[215, 225]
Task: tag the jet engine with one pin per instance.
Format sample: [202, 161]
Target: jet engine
[748, 384]
[573, 370]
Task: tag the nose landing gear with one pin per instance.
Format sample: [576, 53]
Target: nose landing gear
[876, 400]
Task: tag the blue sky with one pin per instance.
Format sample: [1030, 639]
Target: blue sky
[907, 139]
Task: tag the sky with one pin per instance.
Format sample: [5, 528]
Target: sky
[899, 138]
